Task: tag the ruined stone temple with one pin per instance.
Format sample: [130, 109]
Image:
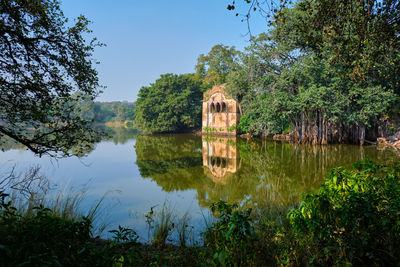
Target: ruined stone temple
[220, 112]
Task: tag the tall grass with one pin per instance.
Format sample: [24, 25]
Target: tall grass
[184, 230]
[31, 189]
[166, 226]
[163, 225]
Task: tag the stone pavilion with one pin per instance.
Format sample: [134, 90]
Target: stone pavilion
[220, 112]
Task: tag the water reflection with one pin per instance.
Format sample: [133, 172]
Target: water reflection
[119, 135]
[193, 171]
[256, 172]
[220, 158]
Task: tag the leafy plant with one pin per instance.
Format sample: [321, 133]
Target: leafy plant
[124, 248]
[171, 104]
[230, 235]
[354, 217]
[231, 128]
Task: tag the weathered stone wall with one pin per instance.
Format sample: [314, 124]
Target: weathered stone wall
[220, 112]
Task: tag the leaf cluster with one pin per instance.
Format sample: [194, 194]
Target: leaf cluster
[46, 239]
[171, 104]
[354, 217]
[307, 66]
[44, 59]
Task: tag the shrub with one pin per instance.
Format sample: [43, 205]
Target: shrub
[231, 128]
[244, 124]
[231, 235]
[41, 239]
[44, 238]
[354, 218]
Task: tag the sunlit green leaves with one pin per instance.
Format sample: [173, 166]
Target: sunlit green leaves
[44, 61]
[172, 103]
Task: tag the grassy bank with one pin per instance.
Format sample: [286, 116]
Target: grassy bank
[353, 219]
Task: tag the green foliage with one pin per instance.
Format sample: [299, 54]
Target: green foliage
[43, 238]
[214, 67]
[171, 104]
[231, 128]
[124, 249]
[244, 124]
[308, 68]
[129, 124]
[210, 130]
[102, 112]
[360, 38]
[44, 62]
[231, 235]
[354, 217]
[113, 111]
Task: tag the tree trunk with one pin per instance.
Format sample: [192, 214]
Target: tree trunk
[362, 134]
[303, 128]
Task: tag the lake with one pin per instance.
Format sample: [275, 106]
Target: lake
[188, 173]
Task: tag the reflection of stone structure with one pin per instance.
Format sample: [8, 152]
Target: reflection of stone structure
[220, 112]
[221, 158]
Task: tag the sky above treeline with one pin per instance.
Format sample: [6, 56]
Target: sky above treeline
[145, 39]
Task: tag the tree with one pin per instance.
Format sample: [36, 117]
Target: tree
[361, 37]
[44, 60]
[214, 67]
[292, 79]
[171, 104]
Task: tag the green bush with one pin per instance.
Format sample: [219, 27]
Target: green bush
[230, 236]
[231, 128]
[43, 238]
[244, 124]
[354, 218]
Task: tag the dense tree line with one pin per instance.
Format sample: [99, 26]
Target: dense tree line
[171, 104]
[326, 72]
[103, 112]
[115, 111]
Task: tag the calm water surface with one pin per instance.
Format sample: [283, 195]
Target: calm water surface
[190, 172]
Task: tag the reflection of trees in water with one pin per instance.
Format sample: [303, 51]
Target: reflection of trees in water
[81, 148]
[284, 171]
[171, 160]
[164, 147]
[119, 135]
[270, 173]
[152, 167]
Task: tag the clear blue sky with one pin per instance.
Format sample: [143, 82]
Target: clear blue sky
[147, 38]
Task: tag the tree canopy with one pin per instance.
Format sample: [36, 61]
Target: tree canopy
[44, 59]
[172, 103]
[214, 67]
[322, 72]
